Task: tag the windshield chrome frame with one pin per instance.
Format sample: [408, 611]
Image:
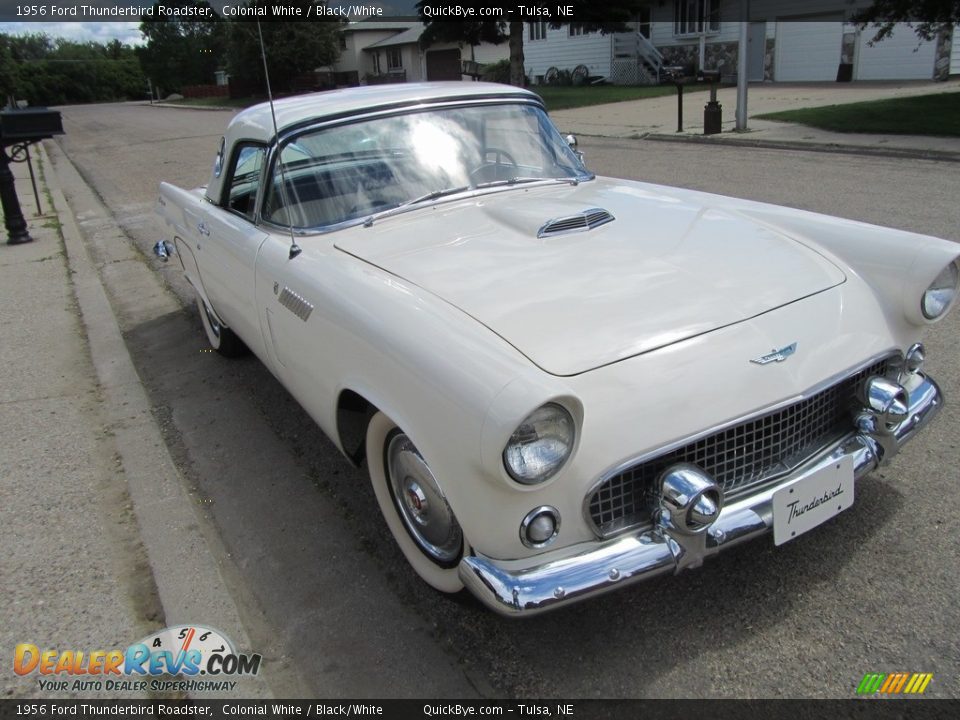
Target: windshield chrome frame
[289, 133]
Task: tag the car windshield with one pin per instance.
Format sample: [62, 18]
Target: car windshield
[349, 172]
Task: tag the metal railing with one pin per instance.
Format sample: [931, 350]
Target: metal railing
[636, 46]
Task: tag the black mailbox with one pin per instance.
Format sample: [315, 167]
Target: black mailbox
[19, 128]
[712, 111]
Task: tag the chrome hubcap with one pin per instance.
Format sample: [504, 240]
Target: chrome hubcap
[417, 502]
[420, 502]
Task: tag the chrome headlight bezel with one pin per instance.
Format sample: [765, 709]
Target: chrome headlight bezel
[940, 294]
[548, 429]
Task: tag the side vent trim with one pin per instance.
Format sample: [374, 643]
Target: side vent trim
[295, 304]
[580, 222]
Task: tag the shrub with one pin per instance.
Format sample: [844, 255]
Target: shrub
[498, 72]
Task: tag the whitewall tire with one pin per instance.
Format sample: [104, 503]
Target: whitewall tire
[413, 505]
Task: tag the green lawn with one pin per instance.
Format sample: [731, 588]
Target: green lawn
[937, 114]
[217, 101]
[560, 97]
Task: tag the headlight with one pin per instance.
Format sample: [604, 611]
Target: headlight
[941, 292]
[540, 445]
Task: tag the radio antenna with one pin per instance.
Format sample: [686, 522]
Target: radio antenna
[294, 248]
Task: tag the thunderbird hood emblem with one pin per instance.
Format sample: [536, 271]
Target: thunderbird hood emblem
[776, 355]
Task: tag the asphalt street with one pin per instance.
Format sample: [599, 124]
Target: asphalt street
[315, 574]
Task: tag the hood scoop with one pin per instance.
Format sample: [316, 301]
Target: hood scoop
[580, 222]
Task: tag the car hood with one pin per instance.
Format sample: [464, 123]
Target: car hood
[669, 266]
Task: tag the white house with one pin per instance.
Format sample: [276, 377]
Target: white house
[787, 42]
[373, 51]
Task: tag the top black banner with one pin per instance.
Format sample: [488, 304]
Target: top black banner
[583, 11]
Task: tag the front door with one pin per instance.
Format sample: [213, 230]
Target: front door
[227, 246]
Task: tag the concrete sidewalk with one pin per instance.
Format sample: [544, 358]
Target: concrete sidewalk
[101, 544]
[657, 117]
[73, 570]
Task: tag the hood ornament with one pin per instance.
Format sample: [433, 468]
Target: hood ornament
[776, 355]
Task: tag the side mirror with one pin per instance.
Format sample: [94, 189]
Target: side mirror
[572, 142]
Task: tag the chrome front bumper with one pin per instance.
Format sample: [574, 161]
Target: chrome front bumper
[510, 588]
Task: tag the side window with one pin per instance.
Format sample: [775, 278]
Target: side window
[245, 174]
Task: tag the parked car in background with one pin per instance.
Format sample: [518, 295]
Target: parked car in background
[560, 383]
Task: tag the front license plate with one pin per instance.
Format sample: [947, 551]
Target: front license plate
[812, 500]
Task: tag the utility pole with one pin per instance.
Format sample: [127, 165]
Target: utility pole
[741, 125]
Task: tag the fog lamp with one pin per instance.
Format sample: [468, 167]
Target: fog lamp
[540, 527]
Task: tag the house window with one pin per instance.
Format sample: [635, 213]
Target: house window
[394, 59]
[695, 16]
[578, 29]
[538, 31]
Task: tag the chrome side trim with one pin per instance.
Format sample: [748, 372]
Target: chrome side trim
[295, 304]
[515, 589]
[894, 356]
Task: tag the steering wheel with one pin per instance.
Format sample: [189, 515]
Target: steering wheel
[501, 159]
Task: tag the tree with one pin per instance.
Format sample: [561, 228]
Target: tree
[927, 17]
[8, 71]
[53, 72]
[292, 48]
[181, 52]
[606, 17]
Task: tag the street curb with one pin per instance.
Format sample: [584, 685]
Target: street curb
[214, 108]
[185, 571]
[905, 153]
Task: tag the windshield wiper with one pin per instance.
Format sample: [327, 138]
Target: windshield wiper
[521, 180]
[434, 195]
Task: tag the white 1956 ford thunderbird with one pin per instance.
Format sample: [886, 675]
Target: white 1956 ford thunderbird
[560, 383]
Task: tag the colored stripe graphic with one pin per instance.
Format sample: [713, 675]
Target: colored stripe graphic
[894, 683]
[870, 683]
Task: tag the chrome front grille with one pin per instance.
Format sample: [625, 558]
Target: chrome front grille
[738, 458]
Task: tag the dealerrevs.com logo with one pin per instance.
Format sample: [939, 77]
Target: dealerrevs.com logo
[184, 651]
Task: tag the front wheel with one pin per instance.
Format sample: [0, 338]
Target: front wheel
[414, 506]
[221, 338]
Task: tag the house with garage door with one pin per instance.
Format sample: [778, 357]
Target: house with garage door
[373, 51]
[788, 41]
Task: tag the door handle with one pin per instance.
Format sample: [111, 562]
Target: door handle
[202, 228]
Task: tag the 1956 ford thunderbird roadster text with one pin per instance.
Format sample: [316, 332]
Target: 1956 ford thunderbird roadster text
[560, 383]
